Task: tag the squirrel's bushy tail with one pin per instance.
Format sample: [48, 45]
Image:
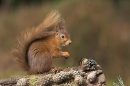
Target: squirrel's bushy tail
[31, 35]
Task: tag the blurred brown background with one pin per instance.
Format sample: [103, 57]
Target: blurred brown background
[99, 29]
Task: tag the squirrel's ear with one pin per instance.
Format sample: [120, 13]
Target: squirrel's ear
[62, 25]
[57, 33]
[56, 28]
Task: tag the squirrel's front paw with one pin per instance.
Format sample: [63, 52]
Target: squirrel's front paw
[65, 54]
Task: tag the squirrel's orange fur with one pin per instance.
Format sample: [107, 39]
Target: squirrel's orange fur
[36, 47]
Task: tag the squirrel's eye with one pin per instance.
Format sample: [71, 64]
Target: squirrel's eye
[62, 36]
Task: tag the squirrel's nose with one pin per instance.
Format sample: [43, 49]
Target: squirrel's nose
[70, 42]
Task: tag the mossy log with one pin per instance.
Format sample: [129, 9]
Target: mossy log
[89, 73]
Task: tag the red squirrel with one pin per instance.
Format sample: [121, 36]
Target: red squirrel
[36, 47]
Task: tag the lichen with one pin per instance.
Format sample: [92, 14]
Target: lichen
[33, 80]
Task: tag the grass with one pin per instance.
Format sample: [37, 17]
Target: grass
[119, 83]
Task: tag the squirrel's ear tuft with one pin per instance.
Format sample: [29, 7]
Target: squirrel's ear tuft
[62, 25]
[56, 28]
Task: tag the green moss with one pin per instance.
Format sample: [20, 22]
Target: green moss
[32, 80]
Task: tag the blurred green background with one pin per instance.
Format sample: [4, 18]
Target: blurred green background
[100, 30]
